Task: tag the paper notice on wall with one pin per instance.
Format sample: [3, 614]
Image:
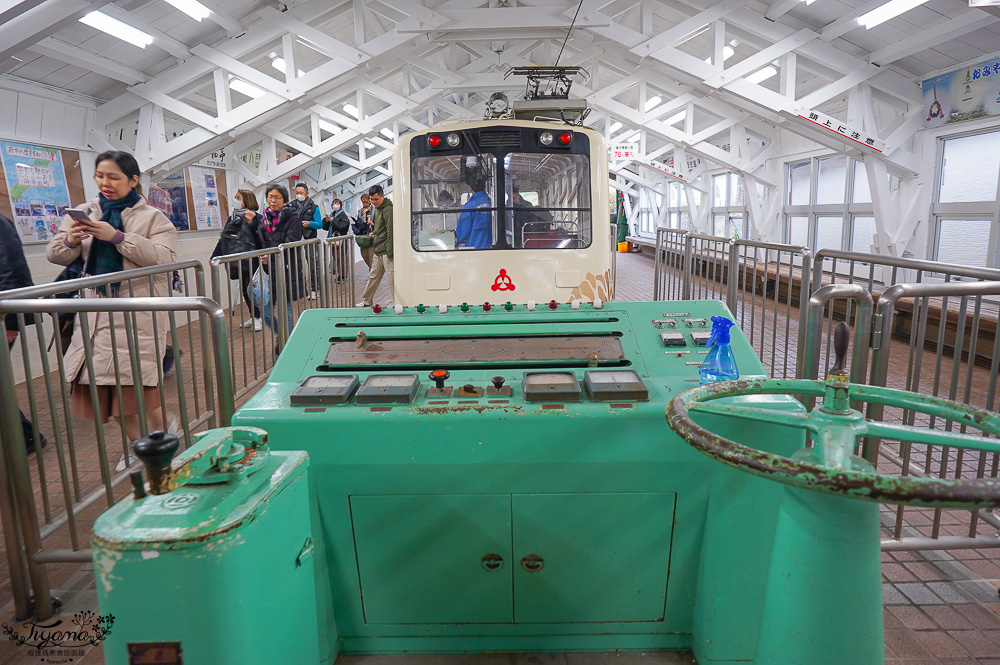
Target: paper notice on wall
[37, 185]
[205, 198]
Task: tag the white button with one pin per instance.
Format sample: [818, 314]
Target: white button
[598, 303]
[398, 308]
[531, 305]
[575, 304]
[443, 308]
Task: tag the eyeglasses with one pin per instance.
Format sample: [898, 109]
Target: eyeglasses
[276, 197]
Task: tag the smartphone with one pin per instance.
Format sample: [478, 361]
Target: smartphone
[79, 216]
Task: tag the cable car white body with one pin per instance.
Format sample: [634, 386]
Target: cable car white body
[553, 242]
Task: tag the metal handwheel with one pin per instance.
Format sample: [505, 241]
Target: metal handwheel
[830, 465]
[823, 592]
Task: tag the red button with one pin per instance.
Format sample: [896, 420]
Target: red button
[377, 308]
[439, 372]
[487, 307]
[553, 304]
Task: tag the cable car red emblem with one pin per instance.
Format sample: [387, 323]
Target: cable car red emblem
[503, 282]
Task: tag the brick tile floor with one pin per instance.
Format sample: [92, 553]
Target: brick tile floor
[941, 607]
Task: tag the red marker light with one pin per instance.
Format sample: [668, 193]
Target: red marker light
[434, 140]
[553, 304]
[377, 308]
[565, 137]
[487, 307]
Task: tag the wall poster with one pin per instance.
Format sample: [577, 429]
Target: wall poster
[170, 195]
[205, 198]
[965, 94]
[36, 182]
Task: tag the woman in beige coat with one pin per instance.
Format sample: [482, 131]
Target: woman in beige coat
[121, 232]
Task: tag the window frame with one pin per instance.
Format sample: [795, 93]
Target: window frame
[967, 210]
[848, 211]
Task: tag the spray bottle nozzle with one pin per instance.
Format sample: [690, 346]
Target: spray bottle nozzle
[720, 330]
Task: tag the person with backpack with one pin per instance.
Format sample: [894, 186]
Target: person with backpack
[338, 224]
[243, 233]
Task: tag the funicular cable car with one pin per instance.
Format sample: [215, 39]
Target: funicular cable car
[513, 208]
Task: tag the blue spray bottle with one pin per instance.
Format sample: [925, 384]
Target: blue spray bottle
[719, 365]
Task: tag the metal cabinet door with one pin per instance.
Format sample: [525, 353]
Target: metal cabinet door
[421, 558]
[604, 557]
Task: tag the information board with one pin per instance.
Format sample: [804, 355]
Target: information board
[39, 195]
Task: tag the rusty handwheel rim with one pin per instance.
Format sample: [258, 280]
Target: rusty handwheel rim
[967, 493]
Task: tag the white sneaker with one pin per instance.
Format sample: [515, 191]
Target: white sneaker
[122, 463]
[258, 325]
[247, 323]
[363, 304]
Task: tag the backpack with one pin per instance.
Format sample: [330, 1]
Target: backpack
[234, 239]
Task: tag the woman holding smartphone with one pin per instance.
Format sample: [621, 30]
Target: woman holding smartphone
[117, 231]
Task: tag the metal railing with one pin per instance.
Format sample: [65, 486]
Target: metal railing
[669, 266]
[706, 261]
[762, 275]
[812, 340]
[339, 288]
[969, 351]
[234, 279]
[83, 485]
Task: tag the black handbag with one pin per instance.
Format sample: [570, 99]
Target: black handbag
[234, 240]
[67, 320]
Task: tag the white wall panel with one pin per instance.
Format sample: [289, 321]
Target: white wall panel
[29, 118]
[8, 119]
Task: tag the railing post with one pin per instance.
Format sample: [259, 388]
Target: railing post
[688, 267]
[732, 276]
[20, 550]
[279, 297]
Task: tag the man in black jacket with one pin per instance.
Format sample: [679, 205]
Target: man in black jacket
[308, 213]
[14, 274]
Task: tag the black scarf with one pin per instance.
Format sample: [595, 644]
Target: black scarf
[104, 257]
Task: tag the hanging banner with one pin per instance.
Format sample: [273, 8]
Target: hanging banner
[624, 151]
[217, 160]
[204, 198]
[965, 94]
[37, 185]
[830, 123]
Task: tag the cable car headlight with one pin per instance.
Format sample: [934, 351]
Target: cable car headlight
[453, 140]
[545, 138]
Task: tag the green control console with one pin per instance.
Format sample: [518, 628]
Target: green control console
[503, 479]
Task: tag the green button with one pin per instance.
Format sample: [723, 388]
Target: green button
[465, 307]
[508, 306]
[421, 309]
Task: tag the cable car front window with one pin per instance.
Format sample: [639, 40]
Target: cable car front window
[453, 202]
[549, 205]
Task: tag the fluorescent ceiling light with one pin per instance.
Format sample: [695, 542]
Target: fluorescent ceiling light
[615, 126]
[653, 102]
[279, 64]
[241, 86]
[633, 139]
[351, 109]
[727, 53]
[762, 74]
[676, 118]
[386, 132]
[369, 145]
[192, 8]
[116, 28]
[328, 126]
[887, 11]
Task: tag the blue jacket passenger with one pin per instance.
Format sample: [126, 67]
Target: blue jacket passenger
[475, 227]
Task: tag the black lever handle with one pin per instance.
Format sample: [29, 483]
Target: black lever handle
[841, 340]
[156, 451]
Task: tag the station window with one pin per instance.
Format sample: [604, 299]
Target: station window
[828, 205]
[966, 204]
[729, 212]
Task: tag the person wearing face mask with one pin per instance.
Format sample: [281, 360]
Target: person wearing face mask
[338, 225]
[363, 227]
[308, 213]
